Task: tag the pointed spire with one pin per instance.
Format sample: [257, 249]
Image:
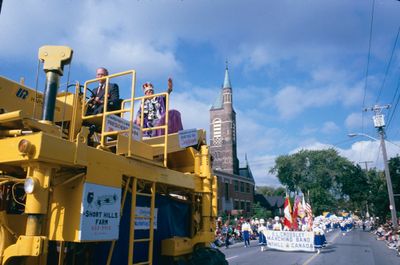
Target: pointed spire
[227, 82]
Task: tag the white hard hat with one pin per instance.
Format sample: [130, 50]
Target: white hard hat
[276, 218]
[262, 221]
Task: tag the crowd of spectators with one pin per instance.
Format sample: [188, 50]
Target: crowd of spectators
[231, 231]
[385, 232]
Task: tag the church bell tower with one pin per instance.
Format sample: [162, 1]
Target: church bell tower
[223, 130]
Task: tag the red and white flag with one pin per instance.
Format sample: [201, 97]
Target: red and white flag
[308, 209]
[287, 210]
[296, 205]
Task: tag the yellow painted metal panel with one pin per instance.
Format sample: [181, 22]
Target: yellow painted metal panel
[173, 142]
[103, 170]
[64, 216]
[176, 246]
[15, 96]
[11, 146]
[137, 148]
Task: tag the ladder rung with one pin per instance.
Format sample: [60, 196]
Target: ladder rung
[143, 217]
[144, 194]
[141, 263]
[157, 145]
[142, 240]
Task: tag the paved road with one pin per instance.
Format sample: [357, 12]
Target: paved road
[355, 248]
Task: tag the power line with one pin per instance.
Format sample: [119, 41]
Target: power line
[388, 66]
[368, 59]
[395, 106]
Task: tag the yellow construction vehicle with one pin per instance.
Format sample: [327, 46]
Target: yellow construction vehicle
[90, 189]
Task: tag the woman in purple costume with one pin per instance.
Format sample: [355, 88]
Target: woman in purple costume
[154, 112]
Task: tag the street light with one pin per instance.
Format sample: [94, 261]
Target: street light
[370, 137]
[392, 206]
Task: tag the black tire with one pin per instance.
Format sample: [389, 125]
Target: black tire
[209, 256]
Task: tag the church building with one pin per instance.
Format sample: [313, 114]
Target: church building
[235, 184]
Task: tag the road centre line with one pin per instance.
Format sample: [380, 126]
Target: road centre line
[313, 256]
[232, 257]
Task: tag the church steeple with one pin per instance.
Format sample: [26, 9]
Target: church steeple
[223, 130]
[227, 91]
[227, 82]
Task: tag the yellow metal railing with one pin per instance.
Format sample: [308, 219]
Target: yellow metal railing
[106, 137]
[161, 127]
[103, 116]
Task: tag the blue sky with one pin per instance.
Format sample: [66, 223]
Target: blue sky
[298, 68]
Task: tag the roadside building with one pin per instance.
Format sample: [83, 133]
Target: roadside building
[271, 203]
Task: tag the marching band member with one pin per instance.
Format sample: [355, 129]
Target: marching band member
[343, 227]
[318, 237]
[277, 225]
[261, 236]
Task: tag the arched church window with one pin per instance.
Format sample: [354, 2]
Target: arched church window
[217, 127]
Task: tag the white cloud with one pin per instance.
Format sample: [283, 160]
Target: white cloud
[353, 96]
[192, 111]
[290, 101]
[354, 121]
[260, 167]
[371, 151]
[329, 127]
[307, 130]
[253, 57]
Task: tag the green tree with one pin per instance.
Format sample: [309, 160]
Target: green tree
[378, 200]
[270, 191]
[332, 181]
[394, 168]
[260, 212]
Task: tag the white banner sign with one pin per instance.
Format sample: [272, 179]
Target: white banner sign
[115, 123]
[144, 223]
[187, 137]
[290, 240]
[100, 210]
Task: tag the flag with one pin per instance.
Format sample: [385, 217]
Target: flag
[296, 204]
[310, 222]
[308, 209]
[301, 211]
[287, 210]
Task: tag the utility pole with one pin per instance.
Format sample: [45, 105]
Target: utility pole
[366, 164]
[366, 173]
[379, 123]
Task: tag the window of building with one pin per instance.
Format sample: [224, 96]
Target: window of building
[227, 97]
[242, 205]
[236, 205]
[248, 207]
[217, 139]
[241, 186]
[217, 127]
[233, 132]
[236, 185]
[247, 187]
[226, 191]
